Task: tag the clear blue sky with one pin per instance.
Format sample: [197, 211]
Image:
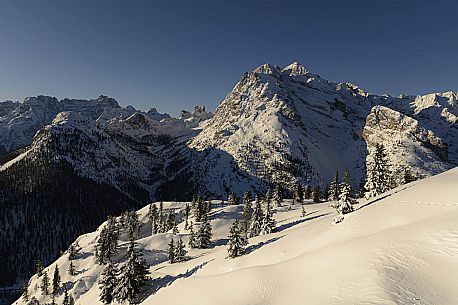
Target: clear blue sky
[175, 54]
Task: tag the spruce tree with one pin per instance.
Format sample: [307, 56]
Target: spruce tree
[246, 214]
[107, 243]
[186, 216]
[160, 227]
[133, 276]
[308, 192]
[108, 283]
[316, 194]
[66, 300]
[132, 225]
[56, 280]
[303, 212]
[170, 221]
[236, 241]
[233, 199]
[334, 188]
[256, 218]
[154, 218]
[71, 269]
[345, 203]
[38, 268]
[204, 234]
[171, 251]
[268, 221]
[25, 291]
[299, 193]
[45, 283]
[378, 178]
[180, 251]
[192, 243]
[278, 197]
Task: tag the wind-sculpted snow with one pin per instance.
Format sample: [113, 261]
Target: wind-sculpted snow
[399, 248]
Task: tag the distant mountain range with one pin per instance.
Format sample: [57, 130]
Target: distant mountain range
[277, 126]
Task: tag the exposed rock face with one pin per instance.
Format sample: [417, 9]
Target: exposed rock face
[408, 145]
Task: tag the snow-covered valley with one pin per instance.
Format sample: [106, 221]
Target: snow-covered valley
[398, 248]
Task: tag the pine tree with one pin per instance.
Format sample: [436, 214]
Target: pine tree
[334, 188]
[378, 178]
[132, 225]
[45, 283]
[180, 251]
[71, 301]
[38, 268]
[246, 215]
[186, 216]
[25, 291]
[108, 283]
[233, 199]
[133, 276]
[268, 221]
[154, 218]
[73, 251]
[170, 221]
[278, 197]
[236, 241]
[192, 243]
[316, 194]
[56, 280]
[345, 203]
[71, 269]
[204, 234]
[160, 227]
[66, 300]
[107, 244]
[171, 251]
[175, 229]
[299, 193]
[256, 218]
[308, 192]
[303, 212]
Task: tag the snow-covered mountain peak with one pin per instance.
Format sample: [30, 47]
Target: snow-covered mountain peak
[267, 69]
[295, 69]
[70, 118]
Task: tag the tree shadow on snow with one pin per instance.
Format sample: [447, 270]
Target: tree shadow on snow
[157, 283]
[252, 248]
[292, 224]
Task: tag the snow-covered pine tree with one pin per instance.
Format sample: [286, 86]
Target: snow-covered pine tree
[180, 251]
[132, 225]
[153, 214]
[256, 218]
[334, 188]
[268, 221]
[316, 194]
[133, 276]
[175, 229]
[65, 301]
[192, 243]
[236, 241]
[107, 243]
[45, 283]
[246, 214]
[160, 225]
[71, 301]
[56, 280]
[204, 234]
[299, 192]
[73, 251]
[186, 216]
[308, 192]
[170, 221]
[345, 203]
[25, 291]
[171, 251]
[278, 196]
[38, 268]
[71, 269]
[378, 177]
[303, 212]
[108, 283]
[233, 199]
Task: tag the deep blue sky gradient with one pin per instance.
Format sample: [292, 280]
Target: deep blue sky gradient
[176, 54]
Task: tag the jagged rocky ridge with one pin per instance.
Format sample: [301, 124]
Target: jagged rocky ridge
[278, 125]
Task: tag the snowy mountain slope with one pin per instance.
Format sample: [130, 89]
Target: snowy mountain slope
[399, 248]
[287, 125]
[20, 121]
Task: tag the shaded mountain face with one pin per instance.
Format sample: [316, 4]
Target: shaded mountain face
[278, 125]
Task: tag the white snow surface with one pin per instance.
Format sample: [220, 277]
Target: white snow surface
[399, 248]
